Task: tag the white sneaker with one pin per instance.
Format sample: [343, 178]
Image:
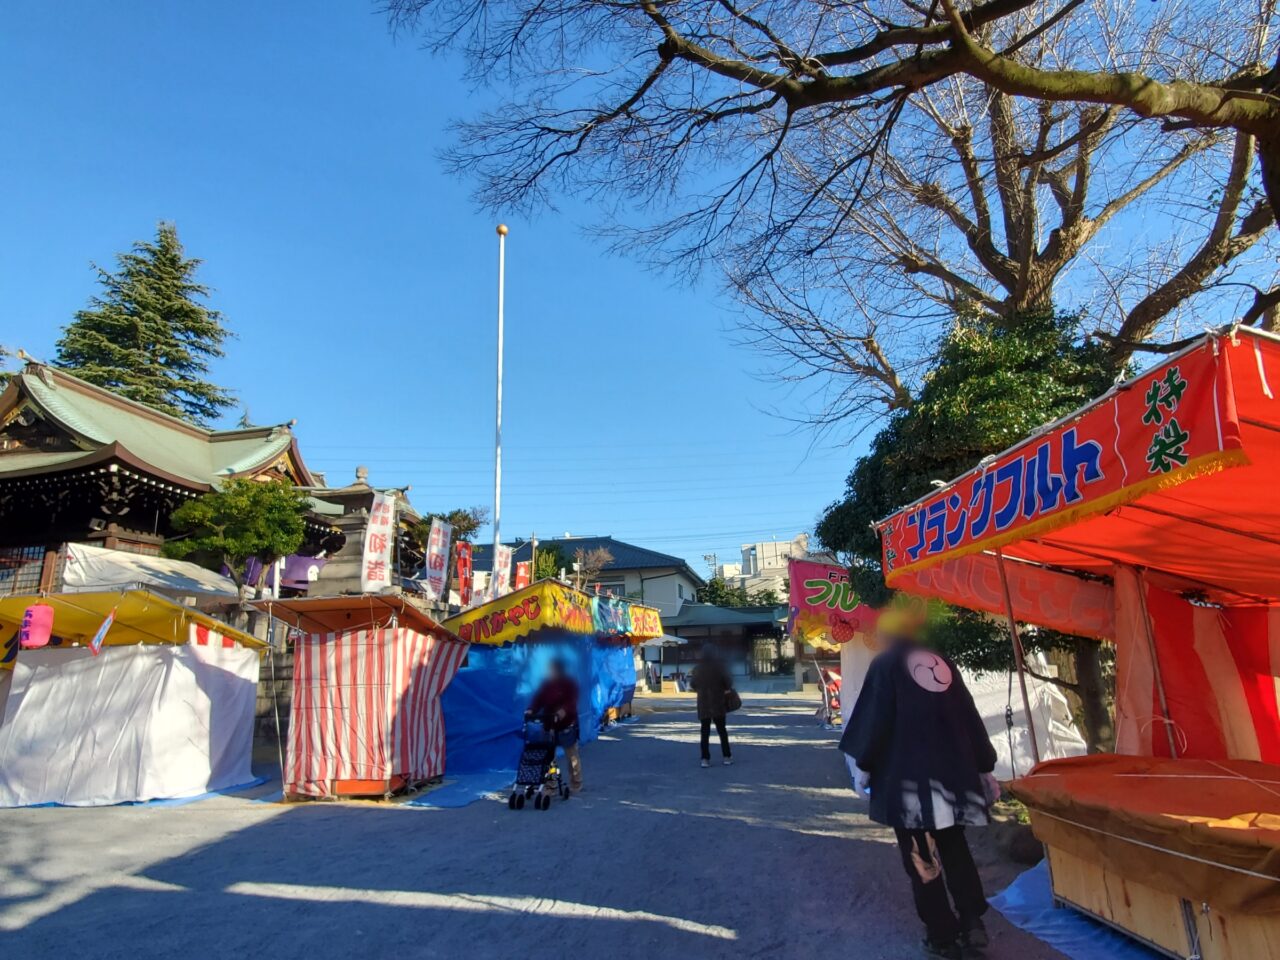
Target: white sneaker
[727, 761]
[706, 763]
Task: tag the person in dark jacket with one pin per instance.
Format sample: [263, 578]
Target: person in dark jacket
[920, 745]
[711, 681]
[556, 704]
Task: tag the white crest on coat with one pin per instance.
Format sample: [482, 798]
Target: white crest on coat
[929, 671]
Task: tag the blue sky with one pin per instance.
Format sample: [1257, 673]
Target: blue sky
[294, 144]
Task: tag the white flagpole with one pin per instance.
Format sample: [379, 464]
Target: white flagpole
[497, 441]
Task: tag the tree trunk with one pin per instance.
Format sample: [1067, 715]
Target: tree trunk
[1091, 688]
[1269, 161]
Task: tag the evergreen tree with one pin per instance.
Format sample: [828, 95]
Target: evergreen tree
[148, 336]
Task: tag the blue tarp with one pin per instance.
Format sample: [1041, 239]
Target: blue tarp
[485, 702]
[1028, 903]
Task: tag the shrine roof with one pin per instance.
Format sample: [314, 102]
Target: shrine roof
[97, 420]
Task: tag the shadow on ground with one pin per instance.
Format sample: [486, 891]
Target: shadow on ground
[658, 859]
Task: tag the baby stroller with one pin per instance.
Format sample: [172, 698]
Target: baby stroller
[829, 712]
[538, 775]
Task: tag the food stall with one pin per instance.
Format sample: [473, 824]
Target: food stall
[123, 696]
[513, 639]
[1148, 517]
[368, 673]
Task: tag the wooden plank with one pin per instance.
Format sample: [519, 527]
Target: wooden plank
[1238, 936]
[1146, 913]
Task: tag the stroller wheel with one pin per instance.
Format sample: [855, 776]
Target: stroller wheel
[564, 791]
[511, 801]
[519, 801]
[546, 801]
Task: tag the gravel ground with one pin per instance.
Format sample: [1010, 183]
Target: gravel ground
[771, 857]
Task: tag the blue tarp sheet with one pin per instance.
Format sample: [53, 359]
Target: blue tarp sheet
[485, 702]
[1028, 903]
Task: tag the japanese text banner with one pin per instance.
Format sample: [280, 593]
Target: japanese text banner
[1170, 425]
[379, 538]
[549, 603]
[824, 609]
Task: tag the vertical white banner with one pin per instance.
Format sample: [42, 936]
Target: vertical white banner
[379, 538]
[500, 585]
[437, 572]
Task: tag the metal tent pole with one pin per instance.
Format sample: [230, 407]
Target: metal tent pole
[1018, 658]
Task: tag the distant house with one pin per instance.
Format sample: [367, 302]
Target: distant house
[657, 579]
[750, 638]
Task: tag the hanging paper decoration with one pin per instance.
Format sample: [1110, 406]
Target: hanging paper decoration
[96, 643]
[37, 626]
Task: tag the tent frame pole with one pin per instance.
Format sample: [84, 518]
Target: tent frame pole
[1018, 655]
[1155, 663]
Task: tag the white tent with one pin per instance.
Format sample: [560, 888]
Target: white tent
[88, 568]
[165, 710]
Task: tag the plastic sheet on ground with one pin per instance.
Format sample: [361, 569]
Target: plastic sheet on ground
[1028, 903]
[463, 790]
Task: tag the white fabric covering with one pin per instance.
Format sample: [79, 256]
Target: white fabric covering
[88, 568]
[138, 722]
[1055, 729]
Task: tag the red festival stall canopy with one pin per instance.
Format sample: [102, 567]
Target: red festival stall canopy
[1174, 471]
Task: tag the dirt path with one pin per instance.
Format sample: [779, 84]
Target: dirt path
[657, 859]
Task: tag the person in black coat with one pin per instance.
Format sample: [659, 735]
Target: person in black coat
[712, 682]
[920, 745]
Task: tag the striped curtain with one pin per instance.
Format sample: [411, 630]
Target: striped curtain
[366, 706]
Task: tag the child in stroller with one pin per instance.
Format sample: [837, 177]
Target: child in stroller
[538, 775]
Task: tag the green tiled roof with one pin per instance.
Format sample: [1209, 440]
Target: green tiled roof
[98, 418]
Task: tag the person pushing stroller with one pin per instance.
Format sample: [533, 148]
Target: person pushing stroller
[556, 703]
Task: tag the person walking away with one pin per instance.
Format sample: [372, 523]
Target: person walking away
[556, 703]
[712, 683]
[920, 745]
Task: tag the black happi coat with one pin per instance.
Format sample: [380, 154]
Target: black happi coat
[916, 730]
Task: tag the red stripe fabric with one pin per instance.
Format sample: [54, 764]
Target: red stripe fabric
[366, 706]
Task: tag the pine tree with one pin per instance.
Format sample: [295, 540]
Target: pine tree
[148, 336]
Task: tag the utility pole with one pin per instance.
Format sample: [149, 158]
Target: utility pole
[713, 561]
[497, 438]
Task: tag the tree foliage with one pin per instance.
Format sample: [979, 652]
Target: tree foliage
[466, 523]
[243, 520]
[5, 372]
[866, 168]
[548, 562]
[148, 336]
[588, 564]
[720, 592]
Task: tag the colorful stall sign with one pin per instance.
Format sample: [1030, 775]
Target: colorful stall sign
[824, 609]
[551, 604]
[1171, 425]
[612, 617]
[438, 557]
[379, 539]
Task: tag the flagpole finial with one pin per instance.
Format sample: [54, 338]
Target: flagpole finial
[502, 229]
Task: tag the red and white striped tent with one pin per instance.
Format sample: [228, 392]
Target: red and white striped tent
[368, 672]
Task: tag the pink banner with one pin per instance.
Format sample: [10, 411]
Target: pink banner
[825, 610]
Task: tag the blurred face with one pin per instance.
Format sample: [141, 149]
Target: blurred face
[555, 670]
